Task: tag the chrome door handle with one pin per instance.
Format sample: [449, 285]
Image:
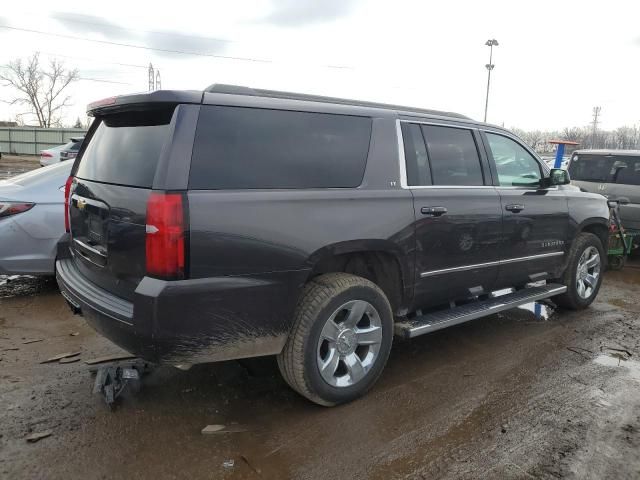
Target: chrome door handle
[515, 207]
[433, 211]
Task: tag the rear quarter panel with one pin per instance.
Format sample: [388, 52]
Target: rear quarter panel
[585, 209]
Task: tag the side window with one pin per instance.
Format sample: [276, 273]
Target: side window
[453, 156]
[627, 171]
[516, 167]
[245, 148]
[415, 155]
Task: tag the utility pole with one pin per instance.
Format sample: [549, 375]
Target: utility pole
[154, 78]
[492, 42]
[596, 114]
[151, 77]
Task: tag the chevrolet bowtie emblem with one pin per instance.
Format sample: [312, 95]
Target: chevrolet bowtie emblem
[81, 204]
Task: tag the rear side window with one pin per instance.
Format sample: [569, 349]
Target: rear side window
[125, 148]
[606, 169]
[245, 148]
[627, 171]
[453, 156]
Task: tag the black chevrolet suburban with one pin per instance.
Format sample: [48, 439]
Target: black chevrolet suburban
[236, 222]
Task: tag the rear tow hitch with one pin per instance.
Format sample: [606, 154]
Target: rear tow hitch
[112, 380]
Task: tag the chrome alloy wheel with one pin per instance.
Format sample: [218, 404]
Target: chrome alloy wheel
[588, 272]
[349, 343]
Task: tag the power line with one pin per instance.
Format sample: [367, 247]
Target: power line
[103, 81]
[131, 65]
[141, 47]
[89, 79]
[168, 50]
[154, 32]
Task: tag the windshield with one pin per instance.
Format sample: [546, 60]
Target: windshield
[606, 169]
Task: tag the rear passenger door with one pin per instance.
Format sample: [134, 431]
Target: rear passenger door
[457, 212]
[535, 219]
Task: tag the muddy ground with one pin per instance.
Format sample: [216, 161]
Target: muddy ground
[508, 396]
[11, 165]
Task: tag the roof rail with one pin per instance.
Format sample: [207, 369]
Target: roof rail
[256, 92]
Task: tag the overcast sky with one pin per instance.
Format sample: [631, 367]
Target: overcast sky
[555, 62]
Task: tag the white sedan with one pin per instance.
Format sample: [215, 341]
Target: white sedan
[52, 155]
[32, 220]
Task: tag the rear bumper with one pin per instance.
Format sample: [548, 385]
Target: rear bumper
[189, 321]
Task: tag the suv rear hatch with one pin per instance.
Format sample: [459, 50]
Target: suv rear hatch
[109, 195]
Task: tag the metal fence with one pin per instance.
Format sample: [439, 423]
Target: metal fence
[31, 140]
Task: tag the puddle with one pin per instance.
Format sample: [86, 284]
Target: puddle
[632, 367]
[4, 174]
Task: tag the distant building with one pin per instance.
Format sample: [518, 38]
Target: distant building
[8, 124]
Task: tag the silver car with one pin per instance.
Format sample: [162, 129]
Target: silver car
[32, 220]
[612, 173]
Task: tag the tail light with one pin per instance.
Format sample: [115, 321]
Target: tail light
[12, 208]
[165, 235]
[67, 191]
[46, 154]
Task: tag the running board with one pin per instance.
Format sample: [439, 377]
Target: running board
[445, 318]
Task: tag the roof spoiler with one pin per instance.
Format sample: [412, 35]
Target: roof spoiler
[136, 100]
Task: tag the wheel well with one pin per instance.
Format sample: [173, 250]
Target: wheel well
[599, 231]
[381, 268]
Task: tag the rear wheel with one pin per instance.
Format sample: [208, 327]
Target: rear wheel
[340, 340]
[583, 275]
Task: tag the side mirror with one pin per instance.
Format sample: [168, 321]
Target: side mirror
[557, 176]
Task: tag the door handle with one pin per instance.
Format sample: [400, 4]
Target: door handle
[433, 211]
[515, 207]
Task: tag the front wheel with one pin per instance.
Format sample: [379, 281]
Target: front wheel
[583, 275]
[340, 340]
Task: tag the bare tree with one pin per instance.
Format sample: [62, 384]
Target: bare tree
[574, 134]
[41, 91]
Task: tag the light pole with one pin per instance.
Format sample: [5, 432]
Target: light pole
[489, 43]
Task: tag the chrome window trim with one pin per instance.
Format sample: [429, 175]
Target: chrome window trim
[464, 268]
[403, 161]
[506, 187]
[421, 187]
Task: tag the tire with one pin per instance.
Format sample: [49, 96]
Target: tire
[584, 247]
[617, 262]
[356, 307]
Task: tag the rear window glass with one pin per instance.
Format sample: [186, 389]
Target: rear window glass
[606, 169]
[126, 147]
[75, 146]
[238, 147]
[453, 156]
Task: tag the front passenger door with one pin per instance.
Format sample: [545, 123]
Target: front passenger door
[535, 219]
